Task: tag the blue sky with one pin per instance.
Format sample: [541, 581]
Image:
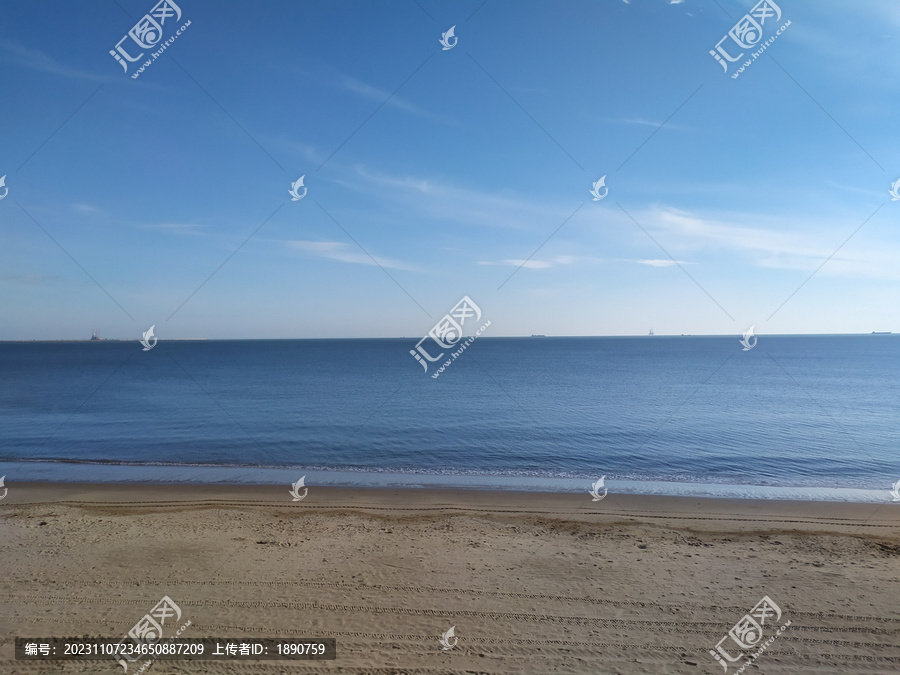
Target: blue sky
[475, 165]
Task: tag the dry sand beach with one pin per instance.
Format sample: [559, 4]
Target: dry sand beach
[533, 583]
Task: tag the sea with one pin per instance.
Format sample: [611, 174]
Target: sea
[795, 417]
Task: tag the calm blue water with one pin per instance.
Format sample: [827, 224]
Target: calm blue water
[793, 412]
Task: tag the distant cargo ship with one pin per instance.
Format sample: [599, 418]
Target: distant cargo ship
[536, 335]
[881, 332]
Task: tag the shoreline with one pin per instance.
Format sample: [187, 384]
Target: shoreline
[577, 505]
[118, 473]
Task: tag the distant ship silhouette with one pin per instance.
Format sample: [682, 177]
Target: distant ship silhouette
[94, 336]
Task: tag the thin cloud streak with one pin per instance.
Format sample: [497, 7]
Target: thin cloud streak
[343, 252]
[443, 201]
[655, 125]
[42, 62]
[789, 247]
[375, 94]
[662, 262]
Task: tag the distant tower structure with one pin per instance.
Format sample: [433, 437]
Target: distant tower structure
[651, 331]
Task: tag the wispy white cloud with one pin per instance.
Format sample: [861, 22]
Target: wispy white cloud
[382, 96]
[788, 243]
[662, 262]
[527, 264]
[656, 125]
[38, 60]
[536, 264]
[442, 201]
[290, 146]
[347, 253]
[86, 208]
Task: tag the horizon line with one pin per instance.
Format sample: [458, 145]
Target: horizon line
[494, 337]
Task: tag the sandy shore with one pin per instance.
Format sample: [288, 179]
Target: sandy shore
[533, 583]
